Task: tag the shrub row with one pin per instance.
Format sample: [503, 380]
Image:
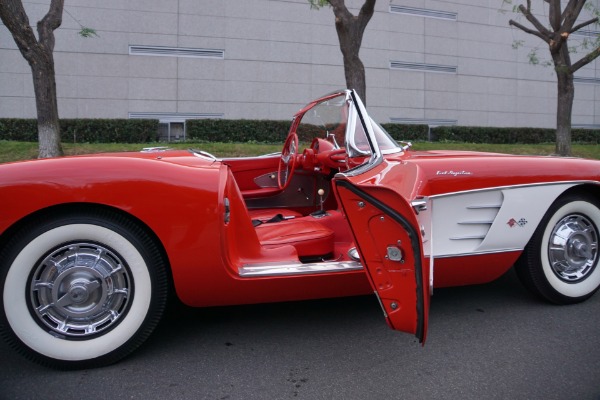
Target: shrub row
[476, 134]
[269, 131]
[237, 130]
[84, 130]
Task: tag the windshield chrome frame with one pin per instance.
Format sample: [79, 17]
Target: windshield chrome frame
[356, 109]
[359, 111]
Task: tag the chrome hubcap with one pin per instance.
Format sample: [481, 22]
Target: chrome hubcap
[573, 248]
[80, 289]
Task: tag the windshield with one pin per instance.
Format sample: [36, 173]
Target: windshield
[326, 120]
[337, 120]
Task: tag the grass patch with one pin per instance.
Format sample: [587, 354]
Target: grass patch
[15, 151]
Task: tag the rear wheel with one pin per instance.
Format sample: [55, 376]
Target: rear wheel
[81, 290]
[560, 263]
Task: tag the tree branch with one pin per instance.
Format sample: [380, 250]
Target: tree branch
[569, 6]
[571, 12]
[340, 10]
[586, 60]
[534, 21]
[555, 14]
[530, 31]
[15, 19]
[583, 25]
[49, 23]
[366, 12]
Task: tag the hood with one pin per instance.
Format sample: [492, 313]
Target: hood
[455, 171]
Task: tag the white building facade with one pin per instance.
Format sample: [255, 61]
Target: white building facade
[427, 61]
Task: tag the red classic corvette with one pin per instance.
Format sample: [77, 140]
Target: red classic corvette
[91, 247]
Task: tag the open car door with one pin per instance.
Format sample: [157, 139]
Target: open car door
[391, 251]
[384, 225]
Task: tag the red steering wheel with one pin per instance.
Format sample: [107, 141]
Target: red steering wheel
[287, 162]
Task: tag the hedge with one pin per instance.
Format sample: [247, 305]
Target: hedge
[476, 134]
[271, 131]
[240, 130]
[85, 130]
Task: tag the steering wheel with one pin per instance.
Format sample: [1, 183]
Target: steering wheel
[287, 162]
[324, 154]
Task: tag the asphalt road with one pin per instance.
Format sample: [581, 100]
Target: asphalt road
[491, 341]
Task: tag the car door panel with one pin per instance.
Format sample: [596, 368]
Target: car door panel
[390, 246]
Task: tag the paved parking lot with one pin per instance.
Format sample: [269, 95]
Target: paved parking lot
[491, 341]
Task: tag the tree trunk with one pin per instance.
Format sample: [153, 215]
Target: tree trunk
[566, 93]
[354, 70]
[44, 86]
[350, 30]
[38, 53]
[563, 25]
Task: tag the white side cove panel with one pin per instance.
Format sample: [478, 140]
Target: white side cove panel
[489, 221]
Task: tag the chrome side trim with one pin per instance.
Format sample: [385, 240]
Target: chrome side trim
[461, 222]
[475, 222]
[480, 206]
[381, 304]
[203, 154]
[297, 268]
[477, 253]
[419, 205]
[155, 149]
[524, 185]
[474, 237]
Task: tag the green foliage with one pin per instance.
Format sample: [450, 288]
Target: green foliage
[576, 44]
[316, 4]
[492, 135]
[407, 132]
[517, 43]
[87, 32]
[84, 32]
[533, 57]
[108, 130]
[24, 130]
[514, 7]
[229, 131]
[271, 131]
[84, 130]
[14, 151]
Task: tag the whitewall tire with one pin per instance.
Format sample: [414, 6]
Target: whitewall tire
[560, 263]
[81, 290]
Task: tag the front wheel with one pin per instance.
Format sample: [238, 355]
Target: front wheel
[560, 262]
[81, 290]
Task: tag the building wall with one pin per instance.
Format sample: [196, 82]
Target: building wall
[279, 54]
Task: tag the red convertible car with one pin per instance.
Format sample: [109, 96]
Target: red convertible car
[91, 247]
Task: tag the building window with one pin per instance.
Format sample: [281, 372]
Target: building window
[422, 12]
[425, 121]
[430, 122]
[585, 80]
[162, 51]
[171, 131]
[172, 126]
[446, 69]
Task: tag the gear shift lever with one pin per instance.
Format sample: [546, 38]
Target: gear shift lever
[321, 192]
[320, 212]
